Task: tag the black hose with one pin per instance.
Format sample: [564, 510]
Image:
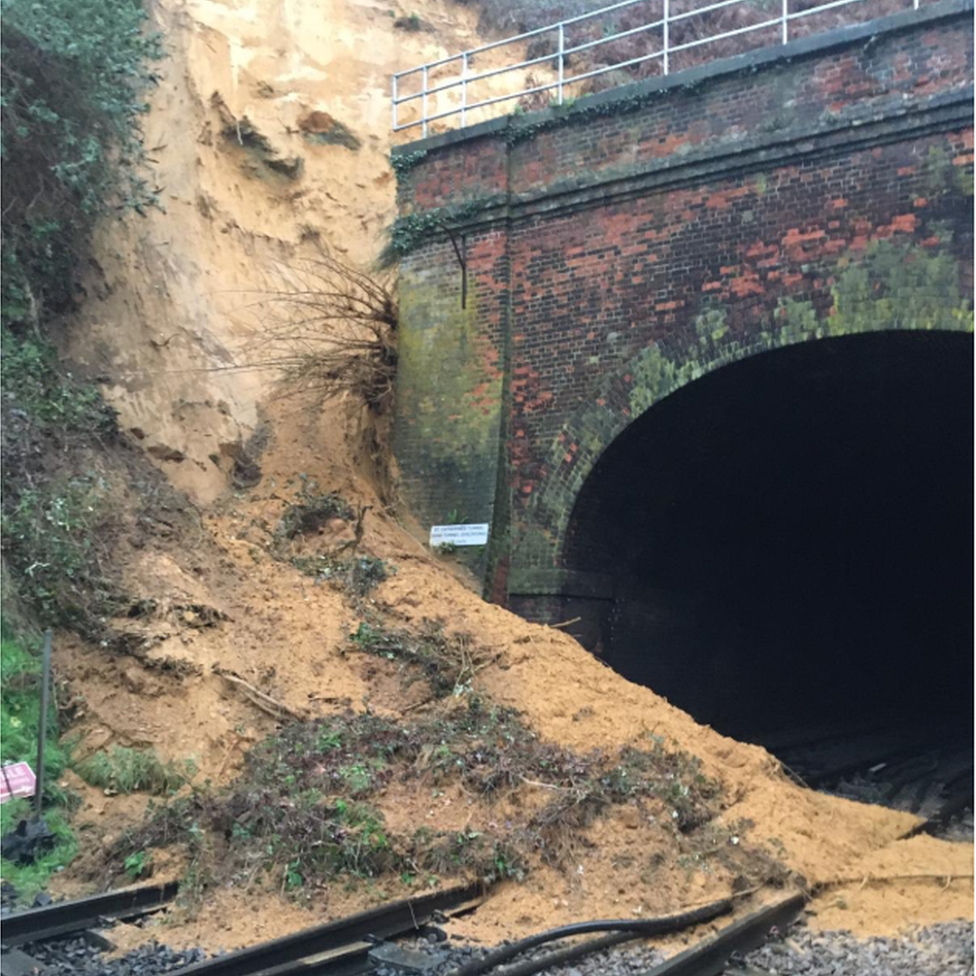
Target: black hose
[528, 967]
[635, 927]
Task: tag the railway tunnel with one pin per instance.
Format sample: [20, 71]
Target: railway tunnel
[790, 541]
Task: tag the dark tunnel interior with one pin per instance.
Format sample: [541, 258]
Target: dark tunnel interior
[789, 539]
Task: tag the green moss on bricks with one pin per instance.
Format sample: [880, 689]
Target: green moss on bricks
[964, 180]
[654, 376]
[443, 371]
[897, 286]
[402, 163]
[937, 171]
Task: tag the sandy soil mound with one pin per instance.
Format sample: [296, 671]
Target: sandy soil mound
[287, 636]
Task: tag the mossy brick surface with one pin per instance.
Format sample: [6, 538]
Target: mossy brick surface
[643, 238]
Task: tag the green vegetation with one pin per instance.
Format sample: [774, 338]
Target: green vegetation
[74, 73]
[447, 663]
[307, 809]
[307, 516]
[138, 864]
[354, 574]
[127, 770]
[28, 879]
[311, 511]
[19, 722]
[20, 707]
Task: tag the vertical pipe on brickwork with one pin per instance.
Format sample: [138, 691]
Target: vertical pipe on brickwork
[786, 21]
[464, 89]
[394, 97]
[423, 79]
[667, 33]
[562, 48]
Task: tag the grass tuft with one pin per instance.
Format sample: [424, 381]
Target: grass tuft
[127, 770]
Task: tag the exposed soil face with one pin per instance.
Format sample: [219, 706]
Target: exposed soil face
[270, 130]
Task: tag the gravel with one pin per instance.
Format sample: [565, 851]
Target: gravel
[77, 957]
[939, 950]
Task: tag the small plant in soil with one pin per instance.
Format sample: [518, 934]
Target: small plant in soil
[311, 511]
[447, 663]
[127, 770]
[357, 575]
[138, 865]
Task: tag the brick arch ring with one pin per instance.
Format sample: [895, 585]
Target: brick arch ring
[654, 373]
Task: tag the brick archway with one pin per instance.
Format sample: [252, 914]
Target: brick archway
[646, 379]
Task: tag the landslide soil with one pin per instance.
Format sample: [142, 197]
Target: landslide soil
[287, 635]
[269, 129]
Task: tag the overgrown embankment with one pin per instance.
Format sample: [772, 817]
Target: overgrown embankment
[74, 76]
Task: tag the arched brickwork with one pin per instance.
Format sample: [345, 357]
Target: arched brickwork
[655, 373]
[616, 250]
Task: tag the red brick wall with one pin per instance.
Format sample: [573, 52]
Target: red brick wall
[739, 201]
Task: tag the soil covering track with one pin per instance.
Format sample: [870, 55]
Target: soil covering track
[790, 540]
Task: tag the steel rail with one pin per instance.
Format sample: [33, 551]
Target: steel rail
[710, 957]
[522, 37]
[554, 55]
[67, 917]
[782, 20]
[339, 947]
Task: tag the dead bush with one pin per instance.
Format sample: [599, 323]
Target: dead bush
[328, 329]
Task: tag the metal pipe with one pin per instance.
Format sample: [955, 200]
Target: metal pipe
[667, 32]
[42, 722]
[786, 21]
[639, 927]
[562, 57]
[464, 87]
[423, 104]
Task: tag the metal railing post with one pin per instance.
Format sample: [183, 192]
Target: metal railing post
[786, 21]
[394, 103]
[562, 47]
[667, 35]
[423, 103]
[464, 89]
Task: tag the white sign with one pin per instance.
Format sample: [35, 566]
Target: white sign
[17, 779]
[459, 535]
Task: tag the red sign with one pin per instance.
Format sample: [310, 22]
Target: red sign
[17, 779]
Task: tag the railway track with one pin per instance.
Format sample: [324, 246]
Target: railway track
[361, 943]
[67, 918]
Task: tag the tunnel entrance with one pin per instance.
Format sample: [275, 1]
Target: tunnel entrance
[789, 540]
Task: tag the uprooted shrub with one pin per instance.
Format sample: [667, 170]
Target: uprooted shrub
[448, 663]
[328, 329]
[307, 808]
[356, 574]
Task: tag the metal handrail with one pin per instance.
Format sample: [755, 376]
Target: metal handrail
[562, 52]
